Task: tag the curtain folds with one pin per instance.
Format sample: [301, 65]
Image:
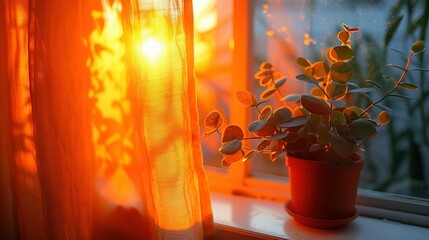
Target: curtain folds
[99, 135]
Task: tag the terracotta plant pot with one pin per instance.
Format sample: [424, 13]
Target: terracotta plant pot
[322, 196]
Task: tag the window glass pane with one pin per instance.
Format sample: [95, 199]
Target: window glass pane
[397, 160]
[213, 60]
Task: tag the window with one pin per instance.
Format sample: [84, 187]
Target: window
[281, 31]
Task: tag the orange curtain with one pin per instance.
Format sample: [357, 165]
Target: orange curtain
[99, 135]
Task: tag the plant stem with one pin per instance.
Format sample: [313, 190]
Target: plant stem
[404, 72]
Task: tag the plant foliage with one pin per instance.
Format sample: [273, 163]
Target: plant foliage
[324, 126]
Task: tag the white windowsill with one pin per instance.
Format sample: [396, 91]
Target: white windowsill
[239, 217]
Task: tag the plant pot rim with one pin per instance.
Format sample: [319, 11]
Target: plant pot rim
[358, 162]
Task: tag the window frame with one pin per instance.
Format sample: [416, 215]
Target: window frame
[239, 179]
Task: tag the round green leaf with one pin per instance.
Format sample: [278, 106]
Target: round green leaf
[384, 117]
[213, 121]
[418, 46]
[303, 62]
[246, 98]
[351, 113]
[232, 132]
[280, 82]
[315, 105]
[257, 125]
[276, 136]
[230, 147]
[282, 115]
[362, 128]
[295, 122]
[307, 78]
[338, 118]
[292, 98]
[334, 89]
[235, 157]
[341, 53]
[342, 147]
[341, 72]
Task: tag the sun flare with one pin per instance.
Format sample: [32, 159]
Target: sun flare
[151, 48]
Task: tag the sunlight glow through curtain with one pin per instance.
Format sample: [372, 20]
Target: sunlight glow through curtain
[99, 135]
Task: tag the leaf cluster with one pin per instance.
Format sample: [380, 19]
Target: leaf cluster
[323, 126]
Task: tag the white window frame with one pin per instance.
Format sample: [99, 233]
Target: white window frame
[239, 179]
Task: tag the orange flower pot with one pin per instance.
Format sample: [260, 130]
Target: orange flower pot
[322, 196]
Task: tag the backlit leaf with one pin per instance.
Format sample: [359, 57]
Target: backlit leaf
[262, 145]
[317, 92]
[213, 121]
[384, 117]
[349, 29]
[225, 163]
[235, 157]
[246, 98]
[341, 53]
[418, 46]
[232, 132]
[335, 90]
[265, 81]
[315, 105]
[266, 113]
[303, 62]
[265, 65]
[320, 69]
[408, 86]
[352, 113]
[344, 36]
[248, 155]
[263, 73]
[268, 93]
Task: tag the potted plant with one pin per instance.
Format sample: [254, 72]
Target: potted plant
[320, 137]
